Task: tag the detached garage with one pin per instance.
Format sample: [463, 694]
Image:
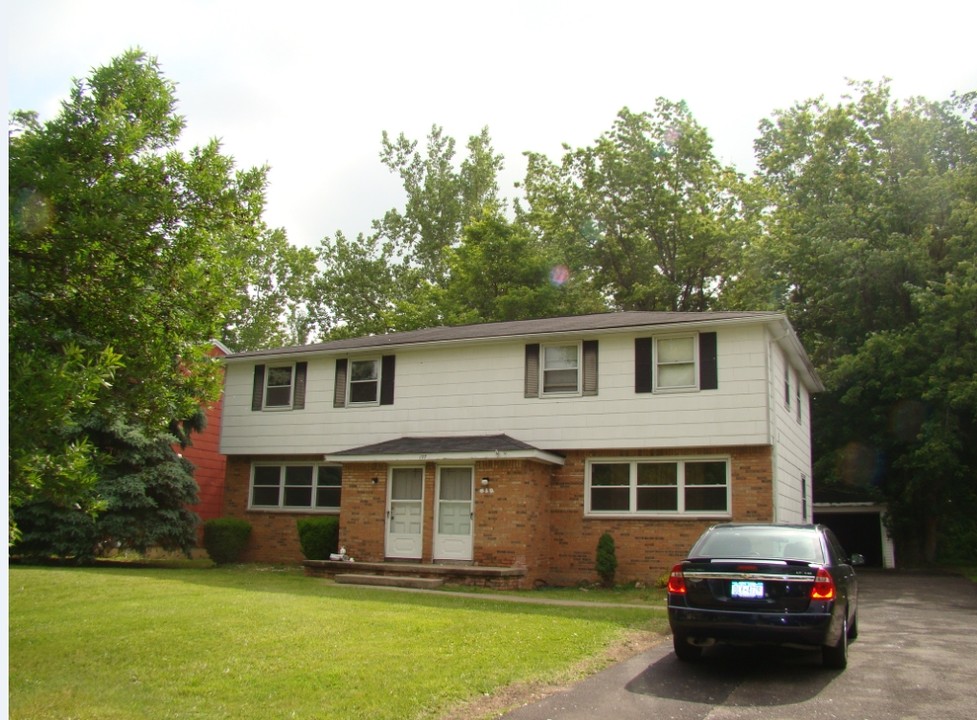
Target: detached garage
[861, 529]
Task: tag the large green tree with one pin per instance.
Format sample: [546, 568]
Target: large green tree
[501, 272]
[277, 306]
[394, 277]
[868, 246]
[125, 257]
[646, 213]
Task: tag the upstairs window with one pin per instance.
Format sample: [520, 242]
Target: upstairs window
[364, 382]
[560, 369]
[279, 387]
[787, 386]
[675, 363]
[567, 369]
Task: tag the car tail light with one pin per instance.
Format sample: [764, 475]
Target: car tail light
[676, 581]
[824, 586]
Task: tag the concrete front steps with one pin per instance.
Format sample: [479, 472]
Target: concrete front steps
[401, 581]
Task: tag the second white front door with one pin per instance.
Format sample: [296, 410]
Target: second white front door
[454, 514]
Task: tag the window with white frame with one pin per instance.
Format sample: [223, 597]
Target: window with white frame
[667, 486]
[675, 363]
[364, 382]
[561, 369]
[278, 386]
[288, 486]
[787, 386]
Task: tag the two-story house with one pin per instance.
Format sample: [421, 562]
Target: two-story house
[517, 444]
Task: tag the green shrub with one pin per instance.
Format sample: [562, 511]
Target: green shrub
[226, 538]
[606, 559]
[319, 536]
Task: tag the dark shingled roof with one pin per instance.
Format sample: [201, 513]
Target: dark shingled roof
[515, 328]
[433, 445]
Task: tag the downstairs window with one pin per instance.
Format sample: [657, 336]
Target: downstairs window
[651, 486]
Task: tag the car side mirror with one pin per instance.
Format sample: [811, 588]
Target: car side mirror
[857, 559]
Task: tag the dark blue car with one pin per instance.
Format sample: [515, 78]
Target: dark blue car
[765, 584]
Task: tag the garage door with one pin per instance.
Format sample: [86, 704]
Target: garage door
[858, 533]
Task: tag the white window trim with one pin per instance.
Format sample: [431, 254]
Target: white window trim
[291, 389]
[281, 507]
[633, 487]
[377, 361]
[543, 392]
[656, 363]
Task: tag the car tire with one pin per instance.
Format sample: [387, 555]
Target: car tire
[853, 627]
[835, 656]
[683, 650]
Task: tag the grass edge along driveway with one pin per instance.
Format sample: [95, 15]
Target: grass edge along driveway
[250, 642]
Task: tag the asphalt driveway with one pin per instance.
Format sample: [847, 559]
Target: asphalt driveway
[914, 658]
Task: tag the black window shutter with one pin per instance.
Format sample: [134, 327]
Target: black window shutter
[708, 364]
[532, 370]
[642, 365]
[589, 367]
[298, 397]
[339, 394]
[258, 391]
[387, 368]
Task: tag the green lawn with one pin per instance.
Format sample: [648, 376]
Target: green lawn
[269, 643]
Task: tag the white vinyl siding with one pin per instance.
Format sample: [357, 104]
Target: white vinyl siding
[790, 433]
[479, 389]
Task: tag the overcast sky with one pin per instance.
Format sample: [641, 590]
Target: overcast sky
[308, 87]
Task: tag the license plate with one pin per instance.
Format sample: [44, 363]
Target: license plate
[746, 589]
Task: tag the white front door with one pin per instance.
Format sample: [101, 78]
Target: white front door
[454, 514]
[405, 513]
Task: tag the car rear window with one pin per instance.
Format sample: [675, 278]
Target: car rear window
[759, 542]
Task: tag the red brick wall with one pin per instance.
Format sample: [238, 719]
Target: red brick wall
[533, 519]
[645, 547]
[512, 523]
[362, 521]
[274, 535]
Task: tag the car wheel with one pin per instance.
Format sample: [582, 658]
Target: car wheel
[836, 656]
[683, 650]
[853, 628]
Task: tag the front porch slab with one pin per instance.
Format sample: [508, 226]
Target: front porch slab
[499, 578]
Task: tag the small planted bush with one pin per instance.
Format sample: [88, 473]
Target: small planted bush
[226, 538]
[318, 536]
[606, 559]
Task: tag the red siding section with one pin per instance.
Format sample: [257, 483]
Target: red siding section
[210, 466]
